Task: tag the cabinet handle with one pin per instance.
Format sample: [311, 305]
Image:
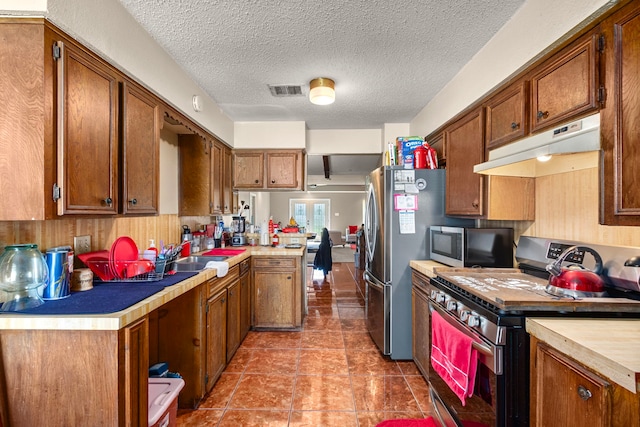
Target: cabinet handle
[273, 181]
[475, 204]
[222, 300]
[108, 201]
[133, 201]
[584, 393]
[543, 114]
[257, 181]
[288, 277]
[515, 125]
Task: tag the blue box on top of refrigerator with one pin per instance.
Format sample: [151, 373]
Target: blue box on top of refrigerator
[401, 206]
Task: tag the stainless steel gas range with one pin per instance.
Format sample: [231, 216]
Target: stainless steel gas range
[491, 305]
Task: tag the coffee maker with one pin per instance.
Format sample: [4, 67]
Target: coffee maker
[238, 227]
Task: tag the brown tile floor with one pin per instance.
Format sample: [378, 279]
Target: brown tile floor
[328, 374]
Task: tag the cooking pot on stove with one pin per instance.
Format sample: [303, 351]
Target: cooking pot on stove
[576, 280]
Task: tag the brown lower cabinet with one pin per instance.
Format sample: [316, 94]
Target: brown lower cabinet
[216, 355]
[420, 322]
[276, 296]
[566, 393]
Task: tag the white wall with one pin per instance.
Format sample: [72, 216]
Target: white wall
[269, 134]
[344, 141]
[534, 27]
[107, 28]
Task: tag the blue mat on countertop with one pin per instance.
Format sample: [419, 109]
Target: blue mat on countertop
[106, 297]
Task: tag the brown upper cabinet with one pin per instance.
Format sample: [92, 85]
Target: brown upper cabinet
[620, 194]
[141, 122]
[507, 116]
[205, 174]
[438, 142]
[566, 85]
[63, 123]
[268, 169]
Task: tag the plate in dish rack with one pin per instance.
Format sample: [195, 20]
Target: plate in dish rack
[123, 251]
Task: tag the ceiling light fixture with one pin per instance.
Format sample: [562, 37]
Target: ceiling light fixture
[544, 158]
[322, 91]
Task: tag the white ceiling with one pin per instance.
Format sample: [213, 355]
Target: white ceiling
[388, 58]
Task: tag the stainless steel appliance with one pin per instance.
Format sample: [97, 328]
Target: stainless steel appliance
[238, 227]
[491, 305]
[401, 205]
[471, 247]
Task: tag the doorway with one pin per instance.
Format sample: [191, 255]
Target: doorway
[313, 214]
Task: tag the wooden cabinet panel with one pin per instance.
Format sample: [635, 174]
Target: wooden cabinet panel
[268, 169]
[227, 174]
[87, 105]
[233, 319]
[465, 148]
[216, 355]
[140, 120]
[282, 170]
[245, 299]
[217, 176]
[195, 175]
[566, 85]
[620, 194]
[248, 169]
[276, 298]
[567, 394]
[420, 323]
[507, 116]
[134, 373]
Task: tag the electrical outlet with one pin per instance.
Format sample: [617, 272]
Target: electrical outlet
[81, 244]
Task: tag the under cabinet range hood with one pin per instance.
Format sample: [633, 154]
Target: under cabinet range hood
[572, 146]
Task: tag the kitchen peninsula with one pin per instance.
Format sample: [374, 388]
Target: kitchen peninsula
[92, 369]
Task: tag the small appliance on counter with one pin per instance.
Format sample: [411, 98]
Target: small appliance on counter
[238, 225]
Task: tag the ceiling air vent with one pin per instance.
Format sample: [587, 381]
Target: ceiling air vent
[286, 90]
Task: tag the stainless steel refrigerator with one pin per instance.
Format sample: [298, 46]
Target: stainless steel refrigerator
[401, 205]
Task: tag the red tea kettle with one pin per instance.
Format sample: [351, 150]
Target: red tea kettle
[575, 280]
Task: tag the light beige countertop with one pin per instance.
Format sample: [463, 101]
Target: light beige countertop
[117, 320]
[611, 347]
[425, 266]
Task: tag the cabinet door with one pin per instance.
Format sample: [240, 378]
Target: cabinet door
[134, 373]
[233, 319]
[507, 116]
[216, 338]
[217, 178]
[420, 310]
[140, 120]
[195, 176]
[227, 173]
[245, 305]
[566, 86]
[273, 299]
[620, 198]
[248, 170]
[567, 394]
[465, 148]
[87, 106]
[282, 170]
[439, 143]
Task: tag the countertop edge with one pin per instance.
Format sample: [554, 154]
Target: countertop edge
[552, 332]
[118, 320]
[425, 266]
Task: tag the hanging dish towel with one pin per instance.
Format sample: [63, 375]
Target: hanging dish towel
[453, 357]
[222, 267]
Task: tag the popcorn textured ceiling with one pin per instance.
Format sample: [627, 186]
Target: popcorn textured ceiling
[388, 58]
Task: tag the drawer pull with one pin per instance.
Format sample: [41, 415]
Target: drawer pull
[584, 393]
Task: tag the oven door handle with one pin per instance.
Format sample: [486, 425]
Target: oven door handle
[490, 352]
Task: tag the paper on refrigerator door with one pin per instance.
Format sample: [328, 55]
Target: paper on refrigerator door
[407, 222]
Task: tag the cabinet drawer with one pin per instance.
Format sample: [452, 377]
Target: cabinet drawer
[244, 267]
[215, 285]
[274, 262]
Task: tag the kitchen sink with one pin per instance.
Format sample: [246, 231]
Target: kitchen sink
[196, 262]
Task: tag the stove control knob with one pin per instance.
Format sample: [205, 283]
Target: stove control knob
[473, 320]
[433, 294]
[451, 305]
[440, 297]
[464, 315]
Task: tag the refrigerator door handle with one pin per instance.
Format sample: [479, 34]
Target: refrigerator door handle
[373, 281]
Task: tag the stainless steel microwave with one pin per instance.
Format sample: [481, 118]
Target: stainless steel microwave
[472, 247]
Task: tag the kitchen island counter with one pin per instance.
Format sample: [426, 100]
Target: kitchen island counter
[117, 320]
[610, 347]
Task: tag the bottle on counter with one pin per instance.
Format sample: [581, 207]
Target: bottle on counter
[276, 240]
[151, 253]
[271, 226]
